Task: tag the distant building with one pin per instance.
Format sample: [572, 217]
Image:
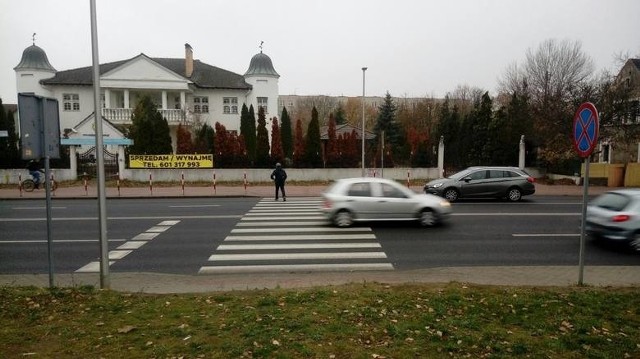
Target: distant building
[187, 91]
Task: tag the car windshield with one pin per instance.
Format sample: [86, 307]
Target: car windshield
[612, 201]
[460, 174]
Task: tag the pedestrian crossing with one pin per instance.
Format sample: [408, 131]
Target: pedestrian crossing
[294, 236]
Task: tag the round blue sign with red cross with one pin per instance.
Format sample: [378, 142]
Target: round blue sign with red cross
[585, 129]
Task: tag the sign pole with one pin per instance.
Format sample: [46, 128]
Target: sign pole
[585, 195]
[585, 137]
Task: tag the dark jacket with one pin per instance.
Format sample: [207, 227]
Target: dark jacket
[279, 175]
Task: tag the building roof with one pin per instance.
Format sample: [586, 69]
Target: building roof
[261, 65]
[34, 58]
[346, 129]
[203, 76]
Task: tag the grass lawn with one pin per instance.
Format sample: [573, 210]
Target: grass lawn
[350, 321]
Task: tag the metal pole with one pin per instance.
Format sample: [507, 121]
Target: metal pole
[47, 186]
[102, 208]
[362, 133]
[382, 157]
[585, 195]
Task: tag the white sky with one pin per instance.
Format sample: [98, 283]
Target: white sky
[411, 47]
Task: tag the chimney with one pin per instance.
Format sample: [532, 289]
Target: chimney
[188, 60]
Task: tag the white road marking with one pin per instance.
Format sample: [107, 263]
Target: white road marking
[296, 268]
[289, 256]
[516, 214]
[168, 223]
[158, 229]
[233, 247]
[274, 218]
[283, 224]
[196, 206]
[546, 234]
[28, 241]
[279, 210]
[62, 219]
[145, 236]
[39, 207]
[118, 254]
[132, 245]
[301, 237]
[296, 230]
[277, 213]
[92, 267]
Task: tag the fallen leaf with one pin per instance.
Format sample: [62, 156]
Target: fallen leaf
[126, 329]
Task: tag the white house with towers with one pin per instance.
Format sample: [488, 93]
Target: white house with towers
[187, 91]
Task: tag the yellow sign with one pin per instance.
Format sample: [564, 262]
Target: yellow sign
[171, 161]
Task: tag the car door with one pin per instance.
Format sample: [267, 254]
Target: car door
[392, 203]
[475, 184]
[360, 199]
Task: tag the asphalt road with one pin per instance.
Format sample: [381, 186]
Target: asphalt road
[226, 235]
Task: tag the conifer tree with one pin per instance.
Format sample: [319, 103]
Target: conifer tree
[277, 155]
[298, 151]
[332, 151]
[393, 133]
[262, 141]
[205, 140]
[248, 131]
[313, 147]
[286, 134]
[184, 144]
[149, 130]
[340, 115]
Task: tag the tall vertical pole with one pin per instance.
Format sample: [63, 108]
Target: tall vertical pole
[362, 133]
[102, 207]
[585, 196]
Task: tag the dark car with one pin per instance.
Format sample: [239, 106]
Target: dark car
[484, 182]
[615, 216]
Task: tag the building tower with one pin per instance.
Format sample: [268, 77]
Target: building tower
[33, 67]
[264, 79]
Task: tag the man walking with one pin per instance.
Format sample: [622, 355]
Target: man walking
[279, 176]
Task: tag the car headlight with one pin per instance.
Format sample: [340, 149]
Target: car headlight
[436, 185]
[445, 204]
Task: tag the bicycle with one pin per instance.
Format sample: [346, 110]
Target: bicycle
[29, 185]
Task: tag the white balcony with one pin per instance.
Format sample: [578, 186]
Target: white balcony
[122, 116]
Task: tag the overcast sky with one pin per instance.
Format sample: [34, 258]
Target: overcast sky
[411, 47]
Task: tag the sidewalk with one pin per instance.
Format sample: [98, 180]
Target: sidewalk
[170, 283]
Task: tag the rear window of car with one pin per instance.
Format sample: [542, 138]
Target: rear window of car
[612, 201]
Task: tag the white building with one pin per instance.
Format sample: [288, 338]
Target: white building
[186, 91]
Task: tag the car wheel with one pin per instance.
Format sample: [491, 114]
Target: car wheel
[428, 218]
[514, 194]
[635, 241]
[343, 219]
[451, 194]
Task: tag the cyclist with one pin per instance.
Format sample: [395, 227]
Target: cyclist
[34, 170]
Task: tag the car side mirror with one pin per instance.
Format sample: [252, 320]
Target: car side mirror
[467, 179]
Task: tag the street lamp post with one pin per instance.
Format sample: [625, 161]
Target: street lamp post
[362, 133]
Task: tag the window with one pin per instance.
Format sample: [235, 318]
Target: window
[200, 104]
[262, 102]
[230, 105]
[359, 190]
[480, 175]
[71, 102]
[391, 192]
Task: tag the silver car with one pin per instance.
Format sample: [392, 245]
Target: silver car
[484, 182]
[377, 199]
[615, 216]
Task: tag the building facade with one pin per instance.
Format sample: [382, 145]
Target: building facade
[187, 91]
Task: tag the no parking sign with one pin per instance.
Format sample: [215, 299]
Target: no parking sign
[585, 129]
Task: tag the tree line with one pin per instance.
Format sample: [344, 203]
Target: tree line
[536, 98]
